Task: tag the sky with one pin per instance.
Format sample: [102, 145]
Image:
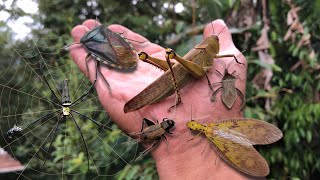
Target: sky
[20, 26]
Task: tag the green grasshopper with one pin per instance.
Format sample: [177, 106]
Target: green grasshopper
[193, 65]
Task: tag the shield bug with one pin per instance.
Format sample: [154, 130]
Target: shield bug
[233, 140]
[108, 47]
[154, 132]
[229, 89]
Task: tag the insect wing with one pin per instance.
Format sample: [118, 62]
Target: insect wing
[153, 132]
[243, 157]
[97, 44]
[252, 131]
[93, 35]
[125, 54]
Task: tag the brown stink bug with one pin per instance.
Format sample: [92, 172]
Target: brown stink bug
[229, 89]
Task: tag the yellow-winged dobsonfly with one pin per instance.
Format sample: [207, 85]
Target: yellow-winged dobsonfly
[233, 140]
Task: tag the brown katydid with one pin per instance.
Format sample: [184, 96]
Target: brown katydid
[229, 89]
[153, 132]
[193, 65]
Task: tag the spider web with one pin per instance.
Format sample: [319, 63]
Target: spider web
[25, 97]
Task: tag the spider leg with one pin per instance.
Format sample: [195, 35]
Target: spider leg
[47, 83]
[52, 138]
[85, 144]
[81, 98]
[41, 118]
[94, 121]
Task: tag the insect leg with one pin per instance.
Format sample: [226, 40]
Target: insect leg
[242, 98]
[194, 69]
[85, 144]
[168, 56]
[213, 97]
[154, 144]
[87, 67]
[166, 143]
[219, 73]
[162, 64]
[209, 83]
[47, 83]
[81, 98]
[52, 138]
[98, 71]
[228, 55]
[205, 148]
[194, 137]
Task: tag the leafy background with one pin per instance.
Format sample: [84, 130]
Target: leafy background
[279, 39]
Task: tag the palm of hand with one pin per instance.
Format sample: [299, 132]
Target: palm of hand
[124, 86]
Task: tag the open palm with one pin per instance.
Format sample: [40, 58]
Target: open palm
[125, 85]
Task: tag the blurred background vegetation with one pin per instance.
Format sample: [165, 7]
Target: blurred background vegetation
[279, 39]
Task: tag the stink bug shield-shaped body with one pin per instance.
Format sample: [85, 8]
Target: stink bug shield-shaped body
[109, 48]
[154, 132]
[232, 139]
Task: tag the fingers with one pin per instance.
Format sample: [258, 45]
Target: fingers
[220, 29]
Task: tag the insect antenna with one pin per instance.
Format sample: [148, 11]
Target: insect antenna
[234, 18]
[210, 20]
[66, 47]
[85, 144]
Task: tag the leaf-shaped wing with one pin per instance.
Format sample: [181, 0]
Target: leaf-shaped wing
[243, 157]
[247, 130]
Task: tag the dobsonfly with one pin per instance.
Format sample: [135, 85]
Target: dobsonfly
[193, 65]
[232, 139]
[229, 89]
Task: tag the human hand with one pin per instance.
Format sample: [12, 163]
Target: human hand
[185, 159]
